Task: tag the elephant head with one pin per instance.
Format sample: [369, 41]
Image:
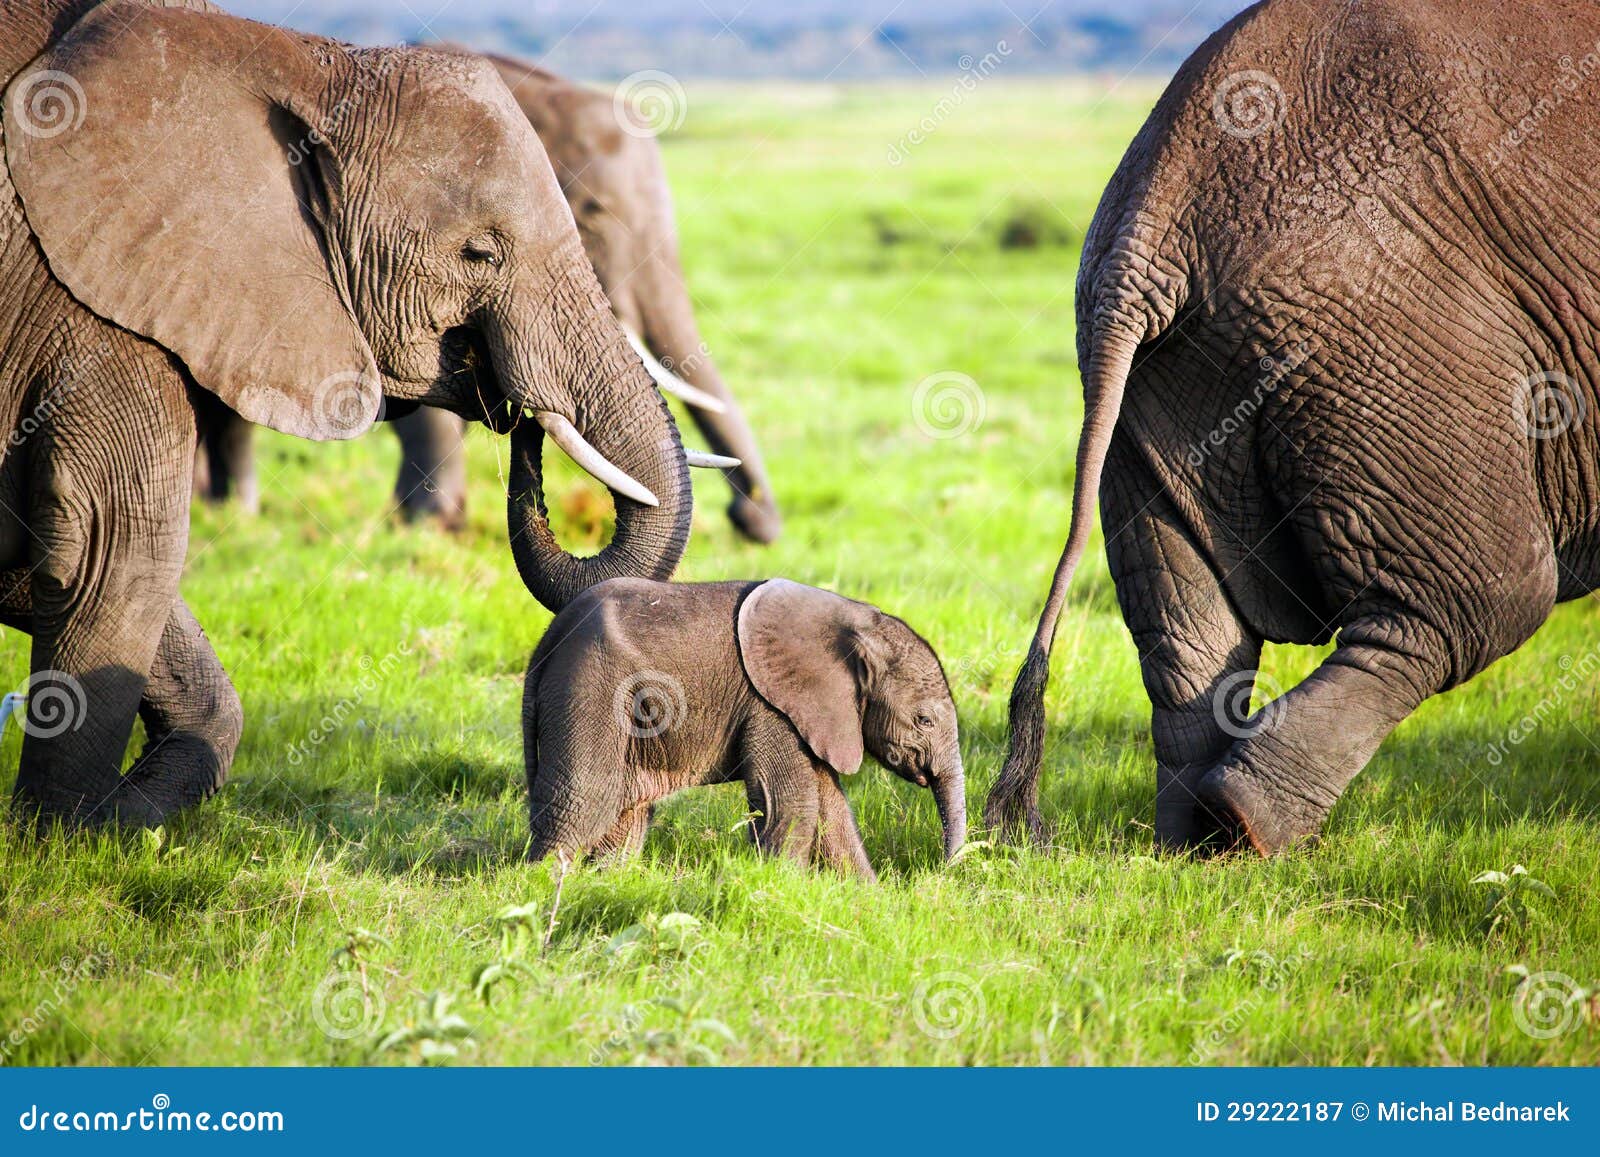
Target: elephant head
[853, 680]
[616, 185]
[312, 228]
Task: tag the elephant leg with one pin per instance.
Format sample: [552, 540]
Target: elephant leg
[191, 712]
[1278, 784]
[225, 468]
[781, 785]
[626, 838]
[192, 719]
[577, 795]
[1437, 568]
[839, 843]
[110, 523]
[432, 483]
[753, 509]
[1196, 657]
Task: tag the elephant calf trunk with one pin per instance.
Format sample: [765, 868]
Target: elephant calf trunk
[950, 796]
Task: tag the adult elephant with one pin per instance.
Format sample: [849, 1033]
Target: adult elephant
[616, 186]
[198, 204]
[1338, 321]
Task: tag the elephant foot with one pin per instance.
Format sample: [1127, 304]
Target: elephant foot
[757, 521]
[1250, 814]
[432, 508]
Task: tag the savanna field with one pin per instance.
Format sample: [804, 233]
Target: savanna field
[357, 893]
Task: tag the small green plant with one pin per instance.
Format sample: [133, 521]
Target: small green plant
[687, 1038]
[154, 841]
[437, 1034]
[657, 940]
[1511, 896]
[358, 944]
[353, 956]
[518, 928]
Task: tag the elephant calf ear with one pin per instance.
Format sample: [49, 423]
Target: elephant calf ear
[797, 646]
[152, 152]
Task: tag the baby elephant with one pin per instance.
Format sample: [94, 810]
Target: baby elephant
[640, 689]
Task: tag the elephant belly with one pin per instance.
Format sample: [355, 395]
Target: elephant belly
[1579, 568]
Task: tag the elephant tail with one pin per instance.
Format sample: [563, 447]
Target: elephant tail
[1013, 802]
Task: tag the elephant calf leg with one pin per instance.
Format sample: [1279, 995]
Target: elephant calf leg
[193, 721]
[579, 800]
[626, 839]
[839, 843]
[1279, 783]
[784, 797]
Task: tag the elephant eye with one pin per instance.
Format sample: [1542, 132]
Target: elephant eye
[925, 722]
[481, 251]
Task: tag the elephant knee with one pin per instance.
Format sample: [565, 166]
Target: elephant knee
[225, 721]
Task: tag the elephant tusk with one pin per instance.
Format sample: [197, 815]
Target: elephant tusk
[670, 383]
[704, 461]
[564, 434]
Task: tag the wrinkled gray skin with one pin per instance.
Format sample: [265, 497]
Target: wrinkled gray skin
[640, 689]
[1407, 269]
[616, 186]
[175, 229]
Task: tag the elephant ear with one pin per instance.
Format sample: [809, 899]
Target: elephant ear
[801, 648]
[175, 191]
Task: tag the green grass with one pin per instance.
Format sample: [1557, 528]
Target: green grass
[830, 283]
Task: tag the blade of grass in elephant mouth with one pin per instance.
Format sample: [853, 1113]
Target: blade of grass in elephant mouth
[468, 366]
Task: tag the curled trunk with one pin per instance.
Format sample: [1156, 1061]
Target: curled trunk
[620, 415]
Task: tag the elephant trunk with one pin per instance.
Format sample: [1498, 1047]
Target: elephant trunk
[673, 337]
[950, 796]
[616, 415]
